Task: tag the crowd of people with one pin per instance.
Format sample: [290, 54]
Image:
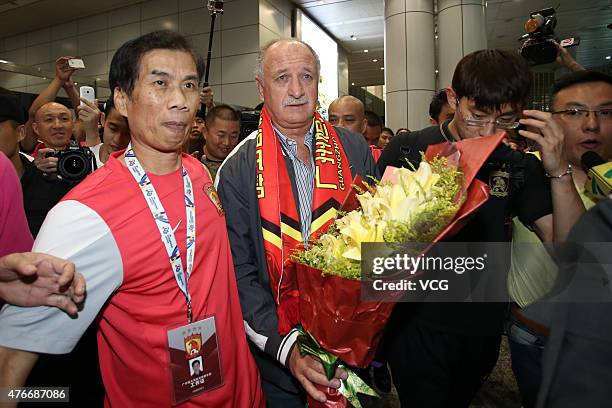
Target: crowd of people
[161, 277]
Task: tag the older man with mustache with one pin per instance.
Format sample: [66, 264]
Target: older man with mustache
[293, 168]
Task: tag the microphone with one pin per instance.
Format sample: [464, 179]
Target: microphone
[599, 184]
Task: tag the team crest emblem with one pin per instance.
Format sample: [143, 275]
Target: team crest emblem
[499, 182]
[210, 191]
[193, 345]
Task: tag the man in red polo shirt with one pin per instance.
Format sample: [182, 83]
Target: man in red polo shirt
[148, 233]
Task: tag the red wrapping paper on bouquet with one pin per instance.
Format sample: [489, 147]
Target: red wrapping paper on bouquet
[331, 309]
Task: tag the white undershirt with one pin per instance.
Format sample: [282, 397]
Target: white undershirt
[95, 254]
[96, 151]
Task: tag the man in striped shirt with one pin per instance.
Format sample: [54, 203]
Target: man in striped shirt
[279, 172]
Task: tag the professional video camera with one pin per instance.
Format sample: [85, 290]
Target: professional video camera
[539, 43]
[74, 163]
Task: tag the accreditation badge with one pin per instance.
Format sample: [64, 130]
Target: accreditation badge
[195, 359]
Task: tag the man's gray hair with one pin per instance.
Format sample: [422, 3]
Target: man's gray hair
[262, 54]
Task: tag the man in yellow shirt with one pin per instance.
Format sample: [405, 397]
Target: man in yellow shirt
[582, 106]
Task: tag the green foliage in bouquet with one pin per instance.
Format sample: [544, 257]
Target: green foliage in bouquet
[416, 207]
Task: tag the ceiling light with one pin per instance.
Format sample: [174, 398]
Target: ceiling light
[352, 83]
[382, 68]
[365, 50]
[353, 37]
[374, 60]
[609, 57]
[3, 62]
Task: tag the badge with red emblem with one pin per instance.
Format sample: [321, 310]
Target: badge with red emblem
[210, 191]
[195, 362]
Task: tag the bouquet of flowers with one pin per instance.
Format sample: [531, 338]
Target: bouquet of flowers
[420, 205]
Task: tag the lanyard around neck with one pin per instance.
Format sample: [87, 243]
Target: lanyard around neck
[163, 223]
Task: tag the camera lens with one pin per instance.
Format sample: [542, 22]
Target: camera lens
[73, 166]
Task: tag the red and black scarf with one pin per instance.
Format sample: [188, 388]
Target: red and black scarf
[280, 219]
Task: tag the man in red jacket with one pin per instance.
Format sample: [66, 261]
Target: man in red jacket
[148, 233]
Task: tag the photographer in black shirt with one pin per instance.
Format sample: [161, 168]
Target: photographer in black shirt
[441, 353]
[40, 192]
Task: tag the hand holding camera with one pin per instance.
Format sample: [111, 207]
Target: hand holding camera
[63, 71]
[72, 164]
[89, 114]
[45, 161]
[540, 44]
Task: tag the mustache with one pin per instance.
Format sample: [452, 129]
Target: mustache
[295, 101]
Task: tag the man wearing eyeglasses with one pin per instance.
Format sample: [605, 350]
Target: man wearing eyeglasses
[443, 352]
[582, 106]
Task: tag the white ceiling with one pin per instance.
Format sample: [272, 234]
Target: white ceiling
[364, 19]
[586, 19]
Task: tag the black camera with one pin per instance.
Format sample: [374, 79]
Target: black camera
[249, 122]
[539, 43]
[215, 6]
[75, 162]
